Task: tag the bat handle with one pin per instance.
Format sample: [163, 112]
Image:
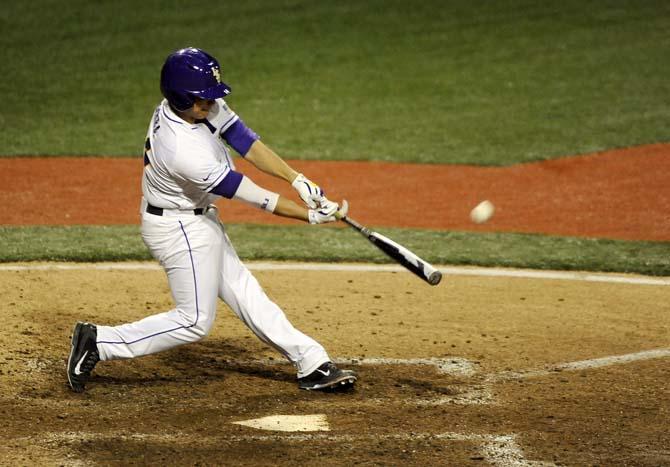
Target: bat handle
[363, 230]
[338, 214]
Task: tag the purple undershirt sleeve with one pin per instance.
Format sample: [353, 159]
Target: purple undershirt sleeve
[228, 185]
[240, 137]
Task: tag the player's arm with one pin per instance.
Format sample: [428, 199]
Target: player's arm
[287, 208]
[325, 213]
[266, 160]
[212, 176]
[248, 145]
[237, 186]
[269, 162]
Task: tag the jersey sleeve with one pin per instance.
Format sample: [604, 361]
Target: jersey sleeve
[221, 116]
[230, 128]
[240, 137]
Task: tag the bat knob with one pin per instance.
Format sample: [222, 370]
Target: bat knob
[341, 213]
[435, 278]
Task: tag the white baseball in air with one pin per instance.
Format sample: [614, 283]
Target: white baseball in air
[482, 212]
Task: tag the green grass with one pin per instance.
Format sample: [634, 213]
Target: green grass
[447, 81]
[306, 243]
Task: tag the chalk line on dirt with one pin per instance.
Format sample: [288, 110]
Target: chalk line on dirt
[453, 366]
[580, 365]
[457, 366]
[447, 270]
[499, 450]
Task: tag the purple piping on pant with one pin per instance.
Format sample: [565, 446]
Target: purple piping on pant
[197, 307]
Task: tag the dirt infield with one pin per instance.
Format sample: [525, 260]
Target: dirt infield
[621, 194]
[478, 371]
[506, 371]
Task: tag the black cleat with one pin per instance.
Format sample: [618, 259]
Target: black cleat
[83, 355]
[328, 377]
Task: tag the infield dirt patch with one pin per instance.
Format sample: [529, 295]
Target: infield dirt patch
[619, 194]
[178, 407]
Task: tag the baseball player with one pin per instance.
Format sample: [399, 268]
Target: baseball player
[187, 166]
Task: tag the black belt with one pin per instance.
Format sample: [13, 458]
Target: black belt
[159, 211]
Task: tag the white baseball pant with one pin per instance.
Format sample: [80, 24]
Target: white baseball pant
[201, 265]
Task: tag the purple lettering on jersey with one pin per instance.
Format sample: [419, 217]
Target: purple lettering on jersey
[228, 185]
[240, 137]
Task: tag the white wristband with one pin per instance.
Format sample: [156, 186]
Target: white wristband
[259, 197]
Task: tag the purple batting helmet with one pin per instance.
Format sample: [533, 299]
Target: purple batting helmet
[189, 73]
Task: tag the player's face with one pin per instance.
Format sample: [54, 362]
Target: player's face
[198, 111]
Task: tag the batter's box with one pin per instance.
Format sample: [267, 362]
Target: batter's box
[424, 381]
[456, 366]
[417, 381]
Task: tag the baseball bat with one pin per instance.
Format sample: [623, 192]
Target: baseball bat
[397, 252]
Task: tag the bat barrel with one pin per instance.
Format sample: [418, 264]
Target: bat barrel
[434, 278]
[398, 253]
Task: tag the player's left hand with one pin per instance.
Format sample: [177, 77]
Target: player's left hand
[310, 193]
[328, 212]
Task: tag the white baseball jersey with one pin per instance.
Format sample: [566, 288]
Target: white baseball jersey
[184, 161]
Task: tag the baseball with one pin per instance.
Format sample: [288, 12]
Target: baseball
[482, 212]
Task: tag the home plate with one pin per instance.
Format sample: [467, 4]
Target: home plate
[317, 422]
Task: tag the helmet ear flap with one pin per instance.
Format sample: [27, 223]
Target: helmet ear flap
[180, 101]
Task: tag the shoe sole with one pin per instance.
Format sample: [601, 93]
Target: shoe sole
[342, 382]
[75, 338]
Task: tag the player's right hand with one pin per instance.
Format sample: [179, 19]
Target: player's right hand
[310, 193]
[328, 212]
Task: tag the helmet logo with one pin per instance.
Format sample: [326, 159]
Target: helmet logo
[217, 74]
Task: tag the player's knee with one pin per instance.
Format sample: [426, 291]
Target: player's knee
[201, 329]
[198, 324]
